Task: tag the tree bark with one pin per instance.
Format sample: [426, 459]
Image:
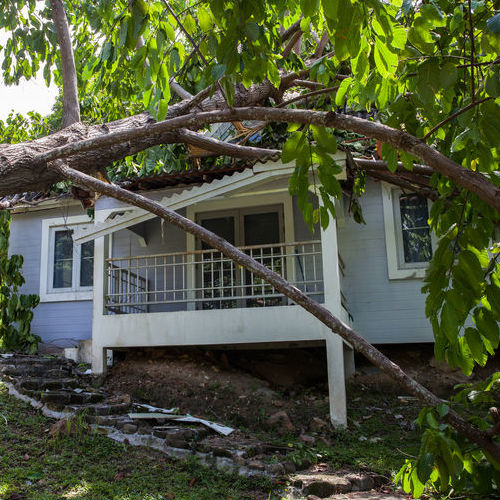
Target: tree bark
[71, 107]
[481, 438]
[137, 135]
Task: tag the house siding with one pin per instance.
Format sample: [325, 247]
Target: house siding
[383, 310]
[60, 324]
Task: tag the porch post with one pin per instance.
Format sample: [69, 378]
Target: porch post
[334, 343]
[98, 351]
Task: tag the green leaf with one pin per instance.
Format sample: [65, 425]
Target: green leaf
[476, 346]
[385, 60]
[205, 19]
[449, 322]
[487, 325]
[493, 296]
[218, 70]
[327, 141]
[291, 147]
[341, 92]
[309, 7]
[493, 24]
[252, 30]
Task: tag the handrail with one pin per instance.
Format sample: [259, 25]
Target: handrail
[208, 250]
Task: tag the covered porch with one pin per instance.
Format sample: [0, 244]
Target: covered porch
[156, 286]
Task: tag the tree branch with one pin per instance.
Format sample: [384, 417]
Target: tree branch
[71, 106]
[226, 148]
[280, 284]
[467, 179]
[448, 119]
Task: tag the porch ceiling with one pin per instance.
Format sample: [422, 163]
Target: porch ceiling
[123, 217]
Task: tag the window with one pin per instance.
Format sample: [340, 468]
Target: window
[407, 233]
[67, 269]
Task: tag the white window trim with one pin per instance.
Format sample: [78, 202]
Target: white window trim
[393, 239]
[47, 293]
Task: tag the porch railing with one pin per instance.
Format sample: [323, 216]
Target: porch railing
[206, 279]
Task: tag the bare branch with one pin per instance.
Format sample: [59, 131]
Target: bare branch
[321, 45]
[450, 118]
[291, 43]
[71, 107]
[302, 97]
[290, 30]
[179, 90]
[382, 165]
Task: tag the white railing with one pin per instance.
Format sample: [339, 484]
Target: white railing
[206, 279]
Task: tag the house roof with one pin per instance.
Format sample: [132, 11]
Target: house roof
[146, 183]
[120, 217]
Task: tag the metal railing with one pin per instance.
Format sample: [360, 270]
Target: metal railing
[206, 279]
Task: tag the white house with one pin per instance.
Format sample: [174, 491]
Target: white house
[126, 279]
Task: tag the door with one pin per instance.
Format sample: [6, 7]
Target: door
[226, 283]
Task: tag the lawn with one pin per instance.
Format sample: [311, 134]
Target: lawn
[36, 466]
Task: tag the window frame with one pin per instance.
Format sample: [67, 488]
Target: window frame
[396, 266]
[47, 291]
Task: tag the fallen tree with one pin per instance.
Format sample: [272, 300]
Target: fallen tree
[459, 167]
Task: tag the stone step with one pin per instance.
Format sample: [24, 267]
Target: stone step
[32, 370]
[100, 409]
[35, 360]
[41, 384]
[65, 397]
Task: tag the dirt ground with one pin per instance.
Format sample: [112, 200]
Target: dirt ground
[244, 388]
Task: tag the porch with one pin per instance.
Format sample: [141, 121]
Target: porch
[156, 286]
[207, 280]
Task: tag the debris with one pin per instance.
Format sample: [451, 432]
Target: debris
[88, 371]
[78, 390]
[221, 429]
[155, 409]
[360, 482]
[119, 476]
[317, 424]
[7, 355]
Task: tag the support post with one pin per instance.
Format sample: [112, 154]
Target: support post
[336, 381]
[334, 344]
[101, 248]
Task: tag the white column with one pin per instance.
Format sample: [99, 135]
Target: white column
[98, 351]
[334, 343]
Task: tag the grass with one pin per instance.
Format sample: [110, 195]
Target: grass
[35, 466]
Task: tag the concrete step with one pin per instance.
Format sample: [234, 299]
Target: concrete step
[33, 370]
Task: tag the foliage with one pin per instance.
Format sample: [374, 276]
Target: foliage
[15, 308]
[446, 460]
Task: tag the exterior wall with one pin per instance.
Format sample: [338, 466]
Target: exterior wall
[383, 310]
[60, 324]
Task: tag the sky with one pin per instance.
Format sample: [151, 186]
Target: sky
[32, 95]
